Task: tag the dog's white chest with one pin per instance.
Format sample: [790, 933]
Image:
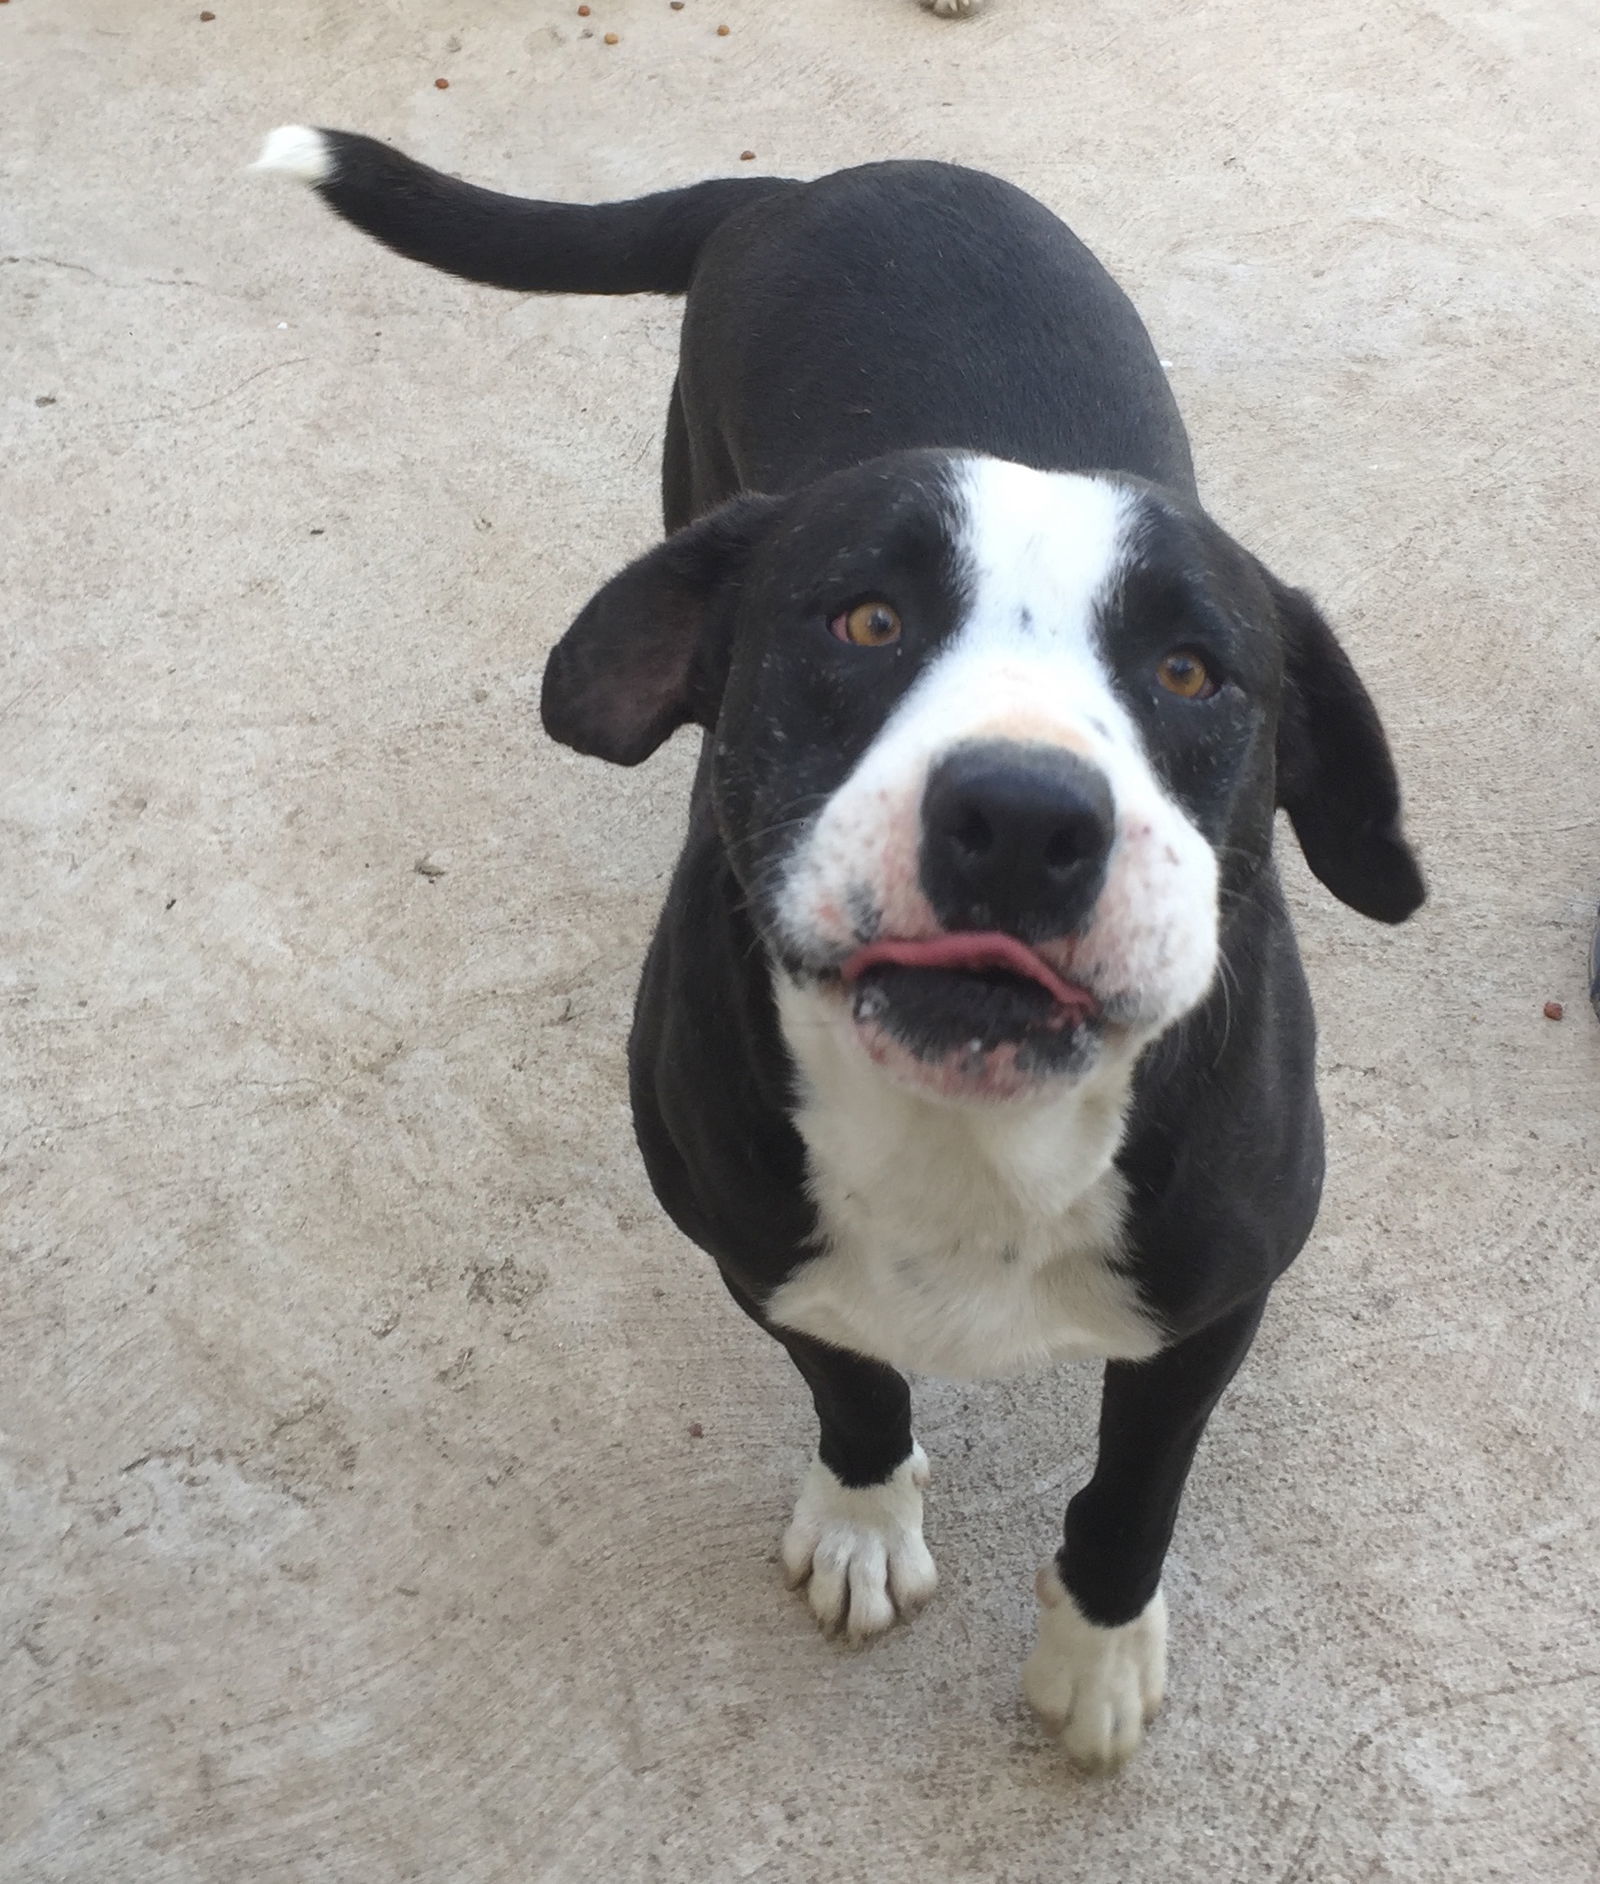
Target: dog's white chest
[967, 1247]
[970, 1305]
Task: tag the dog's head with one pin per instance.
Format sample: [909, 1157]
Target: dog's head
[990, 746]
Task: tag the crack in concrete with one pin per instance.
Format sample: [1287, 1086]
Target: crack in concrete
[183, 412]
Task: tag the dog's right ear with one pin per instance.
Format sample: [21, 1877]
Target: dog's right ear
[650, 653]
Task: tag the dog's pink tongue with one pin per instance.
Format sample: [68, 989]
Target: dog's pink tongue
[972, 951]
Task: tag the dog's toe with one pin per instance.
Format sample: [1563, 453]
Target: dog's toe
[949, 9]
[859, 1550]
[1097, 1687]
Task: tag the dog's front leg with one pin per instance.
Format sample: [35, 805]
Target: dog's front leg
[1098, 1671]
[855, 1540]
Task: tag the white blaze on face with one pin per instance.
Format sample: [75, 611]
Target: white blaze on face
[1041, 552]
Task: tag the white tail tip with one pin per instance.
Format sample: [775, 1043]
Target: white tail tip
[296, 150]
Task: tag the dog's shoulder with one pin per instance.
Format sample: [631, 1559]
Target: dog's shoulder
[1224, 1143]
[710, 1082]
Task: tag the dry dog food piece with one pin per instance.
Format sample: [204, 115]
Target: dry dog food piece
[747, 156]
[676, 5]
[611, 39]
[1553, 1010]
[208, 16]
[723, 31]
[696, 1430]
[443, 84]
[583, 13]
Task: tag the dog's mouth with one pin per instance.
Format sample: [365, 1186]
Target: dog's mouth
[977, 1013]
[979, 964]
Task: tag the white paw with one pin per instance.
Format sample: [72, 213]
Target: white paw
[1097, 1687]
[949, 9]
[861, 1549]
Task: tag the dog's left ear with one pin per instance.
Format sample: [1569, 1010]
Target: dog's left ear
[650, 652]
[1336, 778]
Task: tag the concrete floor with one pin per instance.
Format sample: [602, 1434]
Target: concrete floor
[357, 1528]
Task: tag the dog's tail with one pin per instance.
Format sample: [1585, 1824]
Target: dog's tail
[647, 246]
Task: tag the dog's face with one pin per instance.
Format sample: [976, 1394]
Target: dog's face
[987, 745]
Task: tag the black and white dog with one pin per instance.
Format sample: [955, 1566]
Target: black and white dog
[973, 1036]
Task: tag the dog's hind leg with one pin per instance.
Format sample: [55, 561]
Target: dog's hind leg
[1098, 1671]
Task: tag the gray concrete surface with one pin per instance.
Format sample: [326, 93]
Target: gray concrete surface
[354, 1525]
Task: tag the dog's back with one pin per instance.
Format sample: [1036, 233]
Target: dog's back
[900, 305]
[878, 309]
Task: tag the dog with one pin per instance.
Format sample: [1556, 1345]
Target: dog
[973, 1035]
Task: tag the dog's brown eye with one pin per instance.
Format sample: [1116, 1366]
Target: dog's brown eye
[1184, 673]
[867, 625]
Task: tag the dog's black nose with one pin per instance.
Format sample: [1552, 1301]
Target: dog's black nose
[1015, 837]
